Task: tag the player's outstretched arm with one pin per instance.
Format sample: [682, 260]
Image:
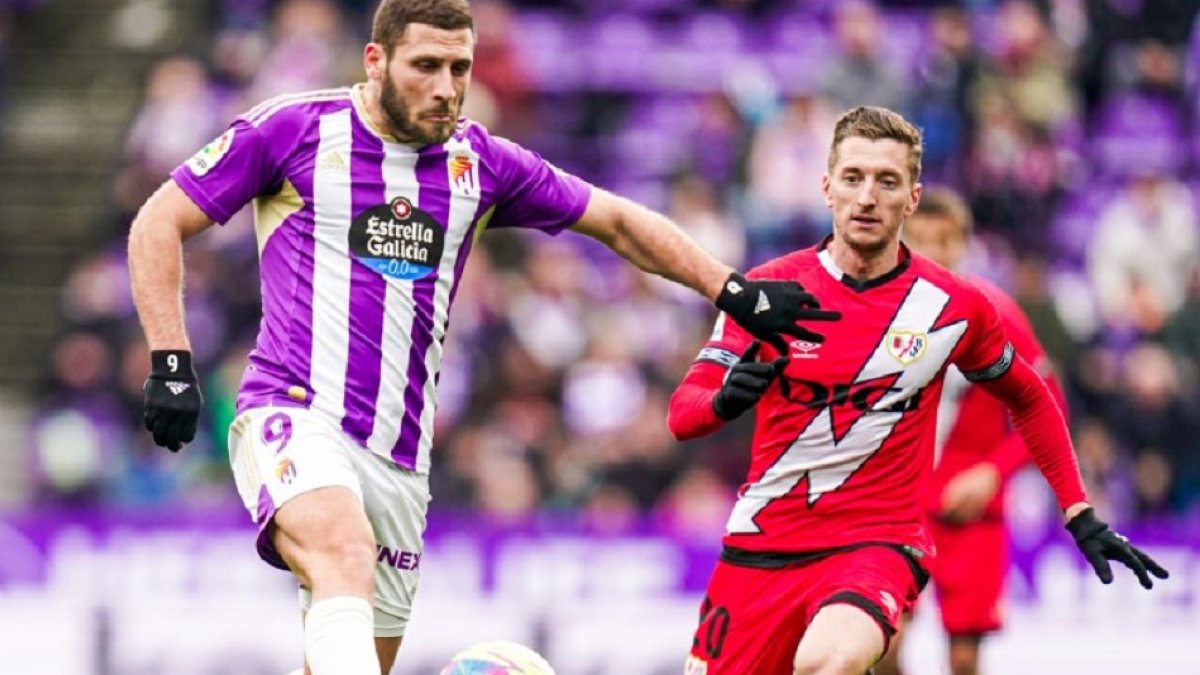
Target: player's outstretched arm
[649, 240]
[1044, 430]
[172, 394]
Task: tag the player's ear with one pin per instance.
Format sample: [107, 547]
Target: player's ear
[914, 200]
[375, 61]
[825, 185]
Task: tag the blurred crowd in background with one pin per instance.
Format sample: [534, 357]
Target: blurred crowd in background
[1071, 126]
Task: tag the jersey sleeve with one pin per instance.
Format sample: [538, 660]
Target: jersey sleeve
[690, 414]
[533, 193]
[226, 174]
[986, 353]
[1011, 454]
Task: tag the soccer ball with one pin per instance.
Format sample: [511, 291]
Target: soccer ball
[497, 658]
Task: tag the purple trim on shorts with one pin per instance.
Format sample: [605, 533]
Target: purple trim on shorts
[266, 515]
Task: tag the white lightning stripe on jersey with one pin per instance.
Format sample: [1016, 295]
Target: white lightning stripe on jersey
[331, 272]
[400, 179]
[828, 463]
[464, 201]
[954, 387]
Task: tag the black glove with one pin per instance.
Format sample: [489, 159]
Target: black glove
[1100, 544]
[745, 383]
[173, 399]
[768, 308]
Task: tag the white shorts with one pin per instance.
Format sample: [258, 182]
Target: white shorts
[279, 452]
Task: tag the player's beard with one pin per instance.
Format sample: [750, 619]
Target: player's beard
[406, 126]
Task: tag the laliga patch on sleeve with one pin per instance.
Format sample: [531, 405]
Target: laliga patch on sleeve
[717, 355]
[208, 157]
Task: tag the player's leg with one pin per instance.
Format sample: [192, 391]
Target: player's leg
[860, 596]
[325, 539]
[842, 639]
[972, 563]
[890, 663]
[396, 501]
[964, 654]
[294, 477]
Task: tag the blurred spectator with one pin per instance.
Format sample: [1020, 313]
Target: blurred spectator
[1142, 253]
[1159, 423]
[787, 159]
[948, 72]
[861, 73]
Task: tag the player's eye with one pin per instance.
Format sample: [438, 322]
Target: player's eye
[461, 69]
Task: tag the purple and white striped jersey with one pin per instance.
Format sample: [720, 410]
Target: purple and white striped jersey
[362, 242]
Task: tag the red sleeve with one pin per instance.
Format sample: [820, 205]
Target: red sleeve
[1011, 454]
[991, 361]
[690, 414]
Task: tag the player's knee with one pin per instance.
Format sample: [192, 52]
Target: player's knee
[963, 665]
[341, 561]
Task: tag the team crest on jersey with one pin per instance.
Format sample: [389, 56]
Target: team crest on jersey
[463, 166]
[906, 346]
[695, 666]
[208, 156]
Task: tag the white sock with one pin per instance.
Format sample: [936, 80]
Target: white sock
[339, 637]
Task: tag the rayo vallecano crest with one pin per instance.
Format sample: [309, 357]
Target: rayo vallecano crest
[906, 346]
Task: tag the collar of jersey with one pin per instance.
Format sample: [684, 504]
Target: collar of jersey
[838, 273]
[360, 109]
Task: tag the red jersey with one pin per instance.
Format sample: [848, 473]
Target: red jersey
[973, 427]
[843, 443]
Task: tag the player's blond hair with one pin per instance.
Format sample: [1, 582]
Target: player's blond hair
[874, 123]
[393, 17]
[941, 202]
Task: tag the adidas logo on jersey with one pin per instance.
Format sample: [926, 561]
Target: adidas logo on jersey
[178, 388]
[332, 161]
[763, 304]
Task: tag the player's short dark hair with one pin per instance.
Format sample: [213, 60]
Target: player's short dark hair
[874, 123]
[942, 202]
[393, 17]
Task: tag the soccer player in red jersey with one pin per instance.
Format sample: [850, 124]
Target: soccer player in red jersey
[827, 543]
[977, 451]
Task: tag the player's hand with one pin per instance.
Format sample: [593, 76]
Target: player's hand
[967, 495]
[768, 309]
[173, 399]
[1100, 544]
[745, 383]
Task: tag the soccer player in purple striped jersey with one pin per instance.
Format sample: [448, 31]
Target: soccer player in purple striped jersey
[367, 202]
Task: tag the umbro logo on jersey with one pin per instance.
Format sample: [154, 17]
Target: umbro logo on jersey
[889, 602]
[178, 388]
[803, 349]
[763, 304]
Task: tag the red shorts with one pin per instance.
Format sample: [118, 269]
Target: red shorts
[968, 575]
[752, 618]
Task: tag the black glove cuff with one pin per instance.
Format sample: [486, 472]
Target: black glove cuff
[733, 294]
[172, 364]
[1086, 525]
